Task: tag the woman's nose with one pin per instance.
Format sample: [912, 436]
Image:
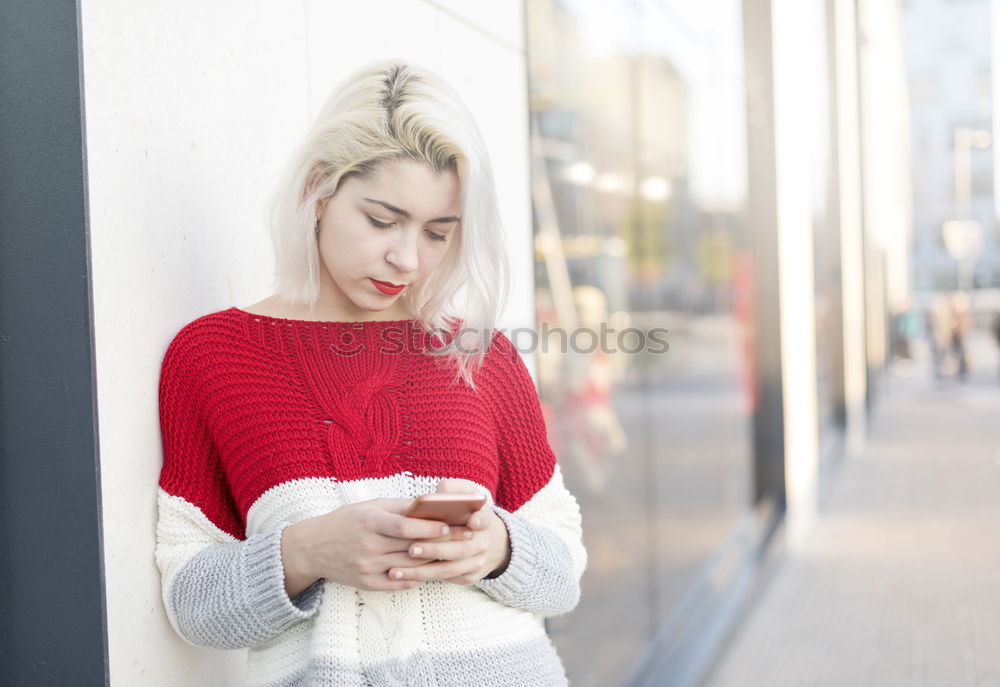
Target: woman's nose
[403, 252]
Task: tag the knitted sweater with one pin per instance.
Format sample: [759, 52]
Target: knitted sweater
[268, 421]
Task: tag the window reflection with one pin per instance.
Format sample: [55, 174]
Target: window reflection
[639, 190]
[826, 236]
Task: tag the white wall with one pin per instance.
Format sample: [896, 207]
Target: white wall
[191, 109]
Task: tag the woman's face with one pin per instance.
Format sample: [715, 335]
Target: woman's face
[379, 234]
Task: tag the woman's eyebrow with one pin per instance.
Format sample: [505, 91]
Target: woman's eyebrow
[403, 213]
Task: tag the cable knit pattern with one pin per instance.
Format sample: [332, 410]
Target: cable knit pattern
[268, 421]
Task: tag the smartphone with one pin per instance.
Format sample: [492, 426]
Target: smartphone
[453, 509]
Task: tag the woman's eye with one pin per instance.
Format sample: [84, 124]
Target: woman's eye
[437, 237]
[375, 223]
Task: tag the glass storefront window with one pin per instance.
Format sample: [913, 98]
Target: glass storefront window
[639, 193]
[826, 236]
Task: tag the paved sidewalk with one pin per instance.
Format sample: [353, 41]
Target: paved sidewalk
[900, 582]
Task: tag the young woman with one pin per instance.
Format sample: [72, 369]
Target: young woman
[298, 430]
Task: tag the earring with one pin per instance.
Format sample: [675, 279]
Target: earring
[316, 226]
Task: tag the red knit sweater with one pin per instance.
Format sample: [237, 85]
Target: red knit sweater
[248, 402]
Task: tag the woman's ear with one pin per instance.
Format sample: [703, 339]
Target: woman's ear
[312, 182]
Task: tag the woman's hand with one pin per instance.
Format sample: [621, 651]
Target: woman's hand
[482, 551]
[356, 545]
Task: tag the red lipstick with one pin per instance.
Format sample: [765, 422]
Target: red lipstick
[388, 288]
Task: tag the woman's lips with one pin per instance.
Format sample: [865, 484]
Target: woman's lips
[387, 288]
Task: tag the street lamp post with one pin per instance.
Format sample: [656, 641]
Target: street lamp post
[961, 235]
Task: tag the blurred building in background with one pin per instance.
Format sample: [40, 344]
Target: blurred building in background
[948, 59]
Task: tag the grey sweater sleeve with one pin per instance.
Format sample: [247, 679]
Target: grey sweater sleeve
[547, 555]
[540, 576]
[232, 595]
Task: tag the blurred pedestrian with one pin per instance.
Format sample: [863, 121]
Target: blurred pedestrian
[905, 327]
[939, 330]
[961, 323]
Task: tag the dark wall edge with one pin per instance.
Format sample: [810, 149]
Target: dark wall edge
[52, 595]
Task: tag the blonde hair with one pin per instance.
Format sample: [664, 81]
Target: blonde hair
[385, 111]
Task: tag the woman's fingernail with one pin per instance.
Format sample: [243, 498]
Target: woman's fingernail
[468, 535]
[417, 550]
[444, 530]
[398, 574]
